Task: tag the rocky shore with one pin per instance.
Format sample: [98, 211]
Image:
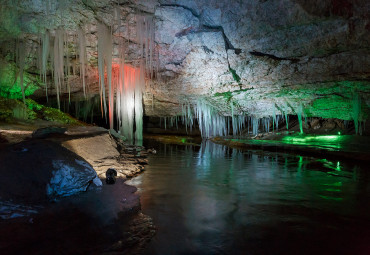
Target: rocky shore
[53, 188]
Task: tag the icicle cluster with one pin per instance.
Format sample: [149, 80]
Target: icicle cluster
[145, 37]
[127, 83]
[58, 56]
[121, 85]
[211, 123]
[105, 48]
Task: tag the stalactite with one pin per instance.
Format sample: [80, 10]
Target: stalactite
[21, 58]
[45, 56]
[211, 123]
[67, 65]
[145, 37]
[82, 57]
[58, 55]
[104, 49]
[139, 90]
[356, 111]
[300, 114]
[255, 125]
[39, 56]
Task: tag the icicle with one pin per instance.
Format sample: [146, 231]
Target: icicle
[67, 65]
[145, 37]
[129, 98]
[210, 122]
[125, 83]
[45, 56]
[39, 57]
[105, 61]
[21, 58]
[356, 111]
[274, 121]
[58, 62]
[299, 114]
[255, 125]
[139, 89]
[286, 120]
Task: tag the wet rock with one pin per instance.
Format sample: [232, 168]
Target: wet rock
[340, 124]
[315, 123]
[70, 178]
[152, 151]
[110, 176]
[102, 152]
[47, 131]
[329, 125]
[43, 167]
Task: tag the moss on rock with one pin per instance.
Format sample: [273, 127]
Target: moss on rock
[11, 109]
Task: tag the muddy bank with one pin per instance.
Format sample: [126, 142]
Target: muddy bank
[91, 219]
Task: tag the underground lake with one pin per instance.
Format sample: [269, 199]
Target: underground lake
[216, 200]
[184, 127]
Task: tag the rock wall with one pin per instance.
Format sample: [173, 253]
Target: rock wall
[263, 57]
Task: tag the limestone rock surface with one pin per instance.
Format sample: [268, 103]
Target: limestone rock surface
[262, 57]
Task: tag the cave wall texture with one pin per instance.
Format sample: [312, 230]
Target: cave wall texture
[259, 57]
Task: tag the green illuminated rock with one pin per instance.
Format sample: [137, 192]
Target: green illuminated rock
[12, 109]
[10, 82]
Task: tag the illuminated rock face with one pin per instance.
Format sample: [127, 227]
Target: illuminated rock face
[265, 57]
[262, 57]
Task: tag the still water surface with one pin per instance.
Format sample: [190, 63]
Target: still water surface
[217, 200]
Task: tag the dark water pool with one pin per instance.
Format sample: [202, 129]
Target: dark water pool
[217, 200]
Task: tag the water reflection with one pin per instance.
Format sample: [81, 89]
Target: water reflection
[348, 143]
[217, 200]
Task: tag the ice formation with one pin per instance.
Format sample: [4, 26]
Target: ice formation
[21, 58]
[127, 82]
[121, 84]
[58, 63]
[356, 111]
[82, 57]
[300, 115]
[45, 40]
[212, 123]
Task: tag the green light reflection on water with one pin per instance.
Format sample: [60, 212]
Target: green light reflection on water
[331, 198]
[300, 163]
[335, 184]
[338, 168]
[331, 140]
[333, 190]
[336, 142]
